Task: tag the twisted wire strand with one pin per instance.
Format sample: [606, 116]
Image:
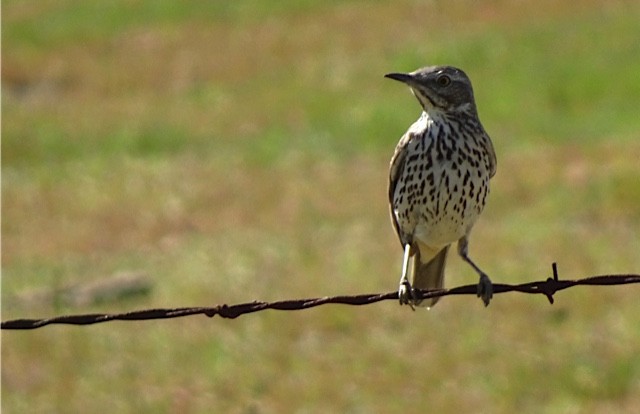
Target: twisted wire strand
[547, 288]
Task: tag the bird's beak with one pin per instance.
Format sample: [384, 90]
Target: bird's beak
[400, 77]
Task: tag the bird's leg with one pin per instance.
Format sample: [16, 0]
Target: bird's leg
[485, 287]
[405, 291]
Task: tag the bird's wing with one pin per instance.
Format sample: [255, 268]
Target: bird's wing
[493, 161]
[395, 170]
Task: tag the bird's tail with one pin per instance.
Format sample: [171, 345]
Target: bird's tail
[429, 275]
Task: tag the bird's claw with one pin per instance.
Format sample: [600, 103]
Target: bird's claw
[485, 289]
[406, 294]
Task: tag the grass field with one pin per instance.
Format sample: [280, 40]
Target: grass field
[238, 151]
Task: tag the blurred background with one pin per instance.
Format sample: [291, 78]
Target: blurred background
[182, 153]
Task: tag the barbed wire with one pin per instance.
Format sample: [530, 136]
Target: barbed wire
[546, 287]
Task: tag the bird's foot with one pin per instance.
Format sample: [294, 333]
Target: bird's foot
[406, 294]
[485, 289]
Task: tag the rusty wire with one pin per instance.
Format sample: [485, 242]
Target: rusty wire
[546, 287]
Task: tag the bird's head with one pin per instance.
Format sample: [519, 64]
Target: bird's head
[439, 88]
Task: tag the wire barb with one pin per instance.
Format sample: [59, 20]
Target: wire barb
[547, 287]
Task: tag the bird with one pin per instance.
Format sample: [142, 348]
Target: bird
[439, 180]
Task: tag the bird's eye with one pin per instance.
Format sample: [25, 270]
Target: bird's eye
[443, 80]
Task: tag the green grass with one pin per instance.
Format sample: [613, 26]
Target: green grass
[238, 150]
